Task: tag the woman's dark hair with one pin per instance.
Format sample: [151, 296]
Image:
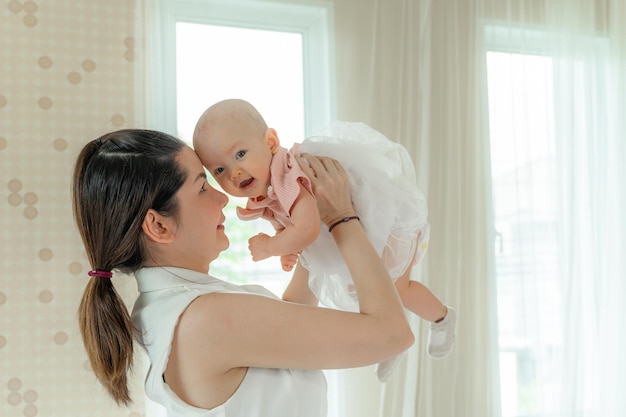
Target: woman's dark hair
[117, 179]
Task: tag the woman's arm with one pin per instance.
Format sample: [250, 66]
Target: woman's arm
[221, 334]
[248, 330]
[227, 331]
[303, 229]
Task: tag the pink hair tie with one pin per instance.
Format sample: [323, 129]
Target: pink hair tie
[100, 274]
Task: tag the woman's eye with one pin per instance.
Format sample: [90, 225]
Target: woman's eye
[241, 154]
[202, 189]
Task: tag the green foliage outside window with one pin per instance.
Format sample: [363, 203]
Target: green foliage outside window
[235, 264]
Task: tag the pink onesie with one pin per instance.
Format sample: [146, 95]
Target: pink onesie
[285, 176]
[384, 192]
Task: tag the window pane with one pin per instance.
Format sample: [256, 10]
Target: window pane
[261, 66]
[265, 68]
[525, 208]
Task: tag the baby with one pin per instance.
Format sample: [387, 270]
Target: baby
[245, 157]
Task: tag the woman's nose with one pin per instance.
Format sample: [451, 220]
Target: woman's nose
[223, 197]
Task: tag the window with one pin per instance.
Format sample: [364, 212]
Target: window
[277, 55]
[524, 188]
[530, 113]
[265, 68]
[310, 20]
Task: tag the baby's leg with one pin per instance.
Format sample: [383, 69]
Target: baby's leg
[415, 296]
[419, 299]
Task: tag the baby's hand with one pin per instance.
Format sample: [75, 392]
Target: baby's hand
[289, 261]
[258, 247]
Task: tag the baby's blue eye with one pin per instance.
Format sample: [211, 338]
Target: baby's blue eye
[218, 171]
[241, 154]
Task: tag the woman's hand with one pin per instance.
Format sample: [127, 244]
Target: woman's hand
[330, 186]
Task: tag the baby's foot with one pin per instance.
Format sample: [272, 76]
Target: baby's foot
[441, 335]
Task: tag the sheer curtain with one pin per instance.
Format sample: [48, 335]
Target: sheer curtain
[564, 198]
[590, 74]
[425, 67]
[413, 70]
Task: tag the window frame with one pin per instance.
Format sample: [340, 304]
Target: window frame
[313, 19]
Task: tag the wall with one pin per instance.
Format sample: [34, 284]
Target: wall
[66, 75]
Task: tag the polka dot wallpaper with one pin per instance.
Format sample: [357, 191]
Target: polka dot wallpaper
[67, 75]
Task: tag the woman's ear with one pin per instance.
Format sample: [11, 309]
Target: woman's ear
[271, 139]
[158, 228]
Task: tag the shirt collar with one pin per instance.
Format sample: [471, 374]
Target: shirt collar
[159, 278]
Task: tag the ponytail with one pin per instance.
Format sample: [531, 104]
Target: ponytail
[107, 333]
[117, 179]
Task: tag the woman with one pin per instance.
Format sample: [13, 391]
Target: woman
[143, 206]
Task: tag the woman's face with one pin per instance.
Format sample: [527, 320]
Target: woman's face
[200, 230]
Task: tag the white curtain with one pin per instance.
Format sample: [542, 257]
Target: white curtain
[565, 196]
[590, 74]
[413, 70]
[541, 317]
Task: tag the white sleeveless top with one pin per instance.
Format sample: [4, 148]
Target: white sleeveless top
[262, 393]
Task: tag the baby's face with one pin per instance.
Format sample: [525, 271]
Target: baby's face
[238, 159]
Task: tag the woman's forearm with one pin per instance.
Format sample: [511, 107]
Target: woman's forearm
[377, 294]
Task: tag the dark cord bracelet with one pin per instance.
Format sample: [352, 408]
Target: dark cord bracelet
[345, 219]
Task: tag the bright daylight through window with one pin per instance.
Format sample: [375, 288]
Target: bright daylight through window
[523, 163]
[276, 56]
[265, 68]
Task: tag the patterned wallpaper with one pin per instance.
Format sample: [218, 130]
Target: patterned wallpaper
[66, 76]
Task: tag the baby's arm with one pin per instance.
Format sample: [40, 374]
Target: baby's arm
[289, 261]
[300, 233]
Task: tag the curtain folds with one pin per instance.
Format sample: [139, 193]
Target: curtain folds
[422, 65]
[590, 71]
[415, 70]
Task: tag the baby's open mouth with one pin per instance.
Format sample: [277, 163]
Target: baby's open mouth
[245, 183]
